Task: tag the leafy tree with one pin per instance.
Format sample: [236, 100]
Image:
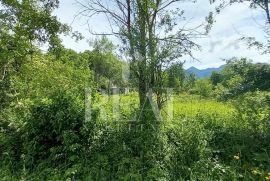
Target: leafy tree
[176, 76]
[105, 64]
[152, 38]
[32, 20]
[41, 77]
[259, 75]
[203, 87]
[69, 56]
[44, 83]
[216, 78]
[241, 76]
[103, 45]
[139, 25]
[24, 25]
[191, 80]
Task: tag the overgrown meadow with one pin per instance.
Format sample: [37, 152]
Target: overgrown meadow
[204, 139]
[129, 112]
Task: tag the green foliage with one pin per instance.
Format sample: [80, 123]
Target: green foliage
[44, 85]
[10, 148]
[203, 87]
[187, 141]
[107, 69]
[216, 78]
[105, 65]
[32, 20]
[44, 134]
[190, 82]
[176, 76]
[253, 111]
[201, 142]
[239, 77]
[23, 26]
[41, 77]
[56, 134]
[189, 106]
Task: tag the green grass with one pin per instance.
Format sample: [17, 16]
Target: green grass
[191, 105]
[184, 106]
[216, 122]
[205, 140]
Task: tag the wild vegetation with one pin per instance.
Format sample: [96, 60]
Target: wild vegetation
[67, 115]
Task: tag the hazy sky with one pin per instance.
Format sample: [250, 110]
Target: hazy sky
[222, 42]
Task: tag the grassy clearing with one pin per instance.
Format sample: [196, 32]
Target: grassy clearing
[205, 140]
[183, 105]
[190, 106]
[232, 150]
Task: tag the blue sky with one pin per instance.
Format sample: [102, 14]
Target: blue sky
[222, 42]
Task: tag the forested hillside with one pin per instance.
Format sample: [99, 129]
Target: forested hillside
[204, 73]
[128, 110]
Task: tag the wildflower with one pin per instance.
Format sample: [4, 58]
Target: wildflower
[236, 157]
[256, 172]
[20, 104]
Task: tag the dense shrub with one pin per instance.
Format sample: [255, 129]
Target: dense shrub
[253, 111]
[200, 143]
[10, 148]
[239, 77]
[56, 134]
[243, 145]
[188, 149]
[203, 87]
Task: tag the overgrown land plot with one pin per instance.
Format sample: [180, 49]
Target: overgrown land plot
[120, 103]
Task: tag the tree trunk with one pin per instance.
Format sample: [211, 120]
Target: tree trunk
[143, 88]
[267, 10]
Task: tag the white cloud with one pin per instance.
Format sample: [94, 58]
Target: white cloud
[231, 24]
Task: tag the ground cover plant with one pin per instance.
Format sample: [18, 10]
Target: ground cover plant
[129, 112]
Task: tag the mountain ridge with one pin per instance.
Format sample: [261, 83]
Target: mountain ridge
[204, 73]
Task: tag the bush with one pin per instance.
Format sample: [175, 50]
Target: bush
[253, 111]
[55, 133]
[188, 149]
[203, 87]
